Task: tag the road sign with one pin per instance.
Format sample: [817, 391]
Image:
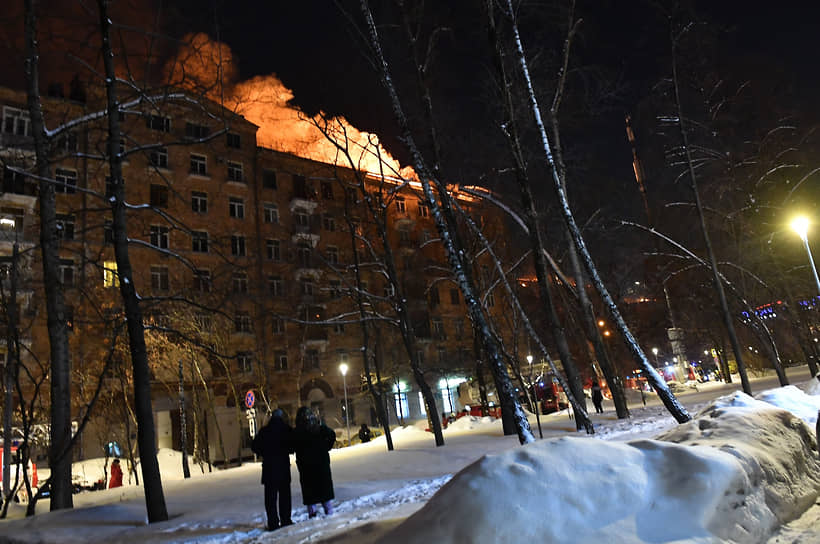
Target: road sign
[249, 399]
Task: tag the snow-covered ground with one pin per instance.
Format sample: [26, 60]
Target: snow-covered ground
[744, 470]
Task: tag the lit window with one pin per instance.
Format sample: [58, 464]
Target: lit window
[110, 277]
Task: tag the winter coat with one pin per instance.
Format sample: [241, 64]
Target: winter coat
[365, 434]
[597, 395]
[273, 444]
[312, 444]
[116, 476]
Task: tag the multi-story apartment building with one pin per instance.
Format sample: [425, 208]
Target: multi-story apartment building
[243, 259]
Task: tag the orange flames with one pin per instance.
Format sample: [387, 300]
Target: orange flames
[265, 101]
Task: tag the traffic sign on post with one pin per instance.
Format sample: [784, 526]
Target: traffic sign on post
[249, 399]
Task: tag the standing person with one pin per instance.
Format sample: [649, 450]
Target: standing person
[364, 433]
[597, 397]
[116, 475]
[273, 443]
[312, 440]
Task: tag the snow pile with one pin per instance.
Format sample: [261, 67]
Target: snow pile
[734, 473]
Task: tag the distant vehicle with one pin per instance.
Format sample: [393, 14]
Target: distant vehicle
[550, 395]
[17, 477]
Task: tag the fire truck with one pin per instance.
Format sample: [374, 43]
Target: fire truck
[550, 395]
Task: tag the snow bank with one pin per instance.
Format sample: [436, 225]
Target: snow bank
[737, 471]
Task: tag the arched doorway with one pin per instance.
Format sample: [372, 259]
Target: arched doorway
[314, 394]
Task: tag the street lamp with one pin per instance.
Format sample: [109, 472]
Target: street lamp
[343, 370]
[655, 353]
[801, 227]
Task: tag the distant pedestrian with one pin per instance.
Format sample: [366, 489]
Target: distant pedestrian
[116, 475]
[312, 440]
[597, 397]
[273, 443]
[364, 433]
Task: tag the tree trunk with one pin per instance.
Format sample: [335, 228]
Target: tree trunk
[670, 402]
[146, 436]
[60, 450]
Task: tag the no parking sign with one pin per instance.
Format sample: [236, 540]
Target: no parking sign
[249, 399]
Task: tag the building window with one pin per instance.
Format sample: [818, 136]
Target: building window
[300, 217]
[311, 359]
[65, 226]
[159, 196]
[233, 140]
[199, 165]
[202, 281]
[332, 255]
[67, 272]
[199, 202]
[425, 236]
[270, 213]
[275, 286]
[108, 232]
[335, 288]
[16, 122]
[278, 325]
[274, 250]
[303, 255]
[66, 143]
[159, 278]
[404, 234]
[110, 277]
[424, 211]
[352, 195]
[238, 246]
[438, 328]
[329, 223]
[66, 181]
[158, 122]
[236, 207]
[338, 328]
[158, 157]
[280, 360]
[240, 282]
[490, 300]
[244, 362]
[199, 241]
[306, 286]
[235, 171]
[159, 236]
[203, 322]
[196, 132]
[401, 205]
[459, 327]
[268, 179]
[242, 322]
[327, 190]
[389, 291]
[454, 298]
[434, 300]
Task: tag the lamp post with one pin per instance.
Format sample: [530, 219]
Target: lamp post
[343, 370]
[801, 227]
[655, 353]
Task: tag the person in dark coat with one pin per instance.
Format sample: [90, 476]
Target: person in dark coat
[116, 475]
[312, 440]
[273, 444]
[597, 397]
[364, 433]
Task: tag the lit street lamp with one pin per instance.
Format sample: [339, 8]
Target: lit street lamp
[655, 353]
[801, 227]
[343, 370]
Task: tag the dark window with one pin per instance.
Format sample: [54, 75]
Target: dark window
[242, 322]
[195, 131]
[301, 217]
[202, 281]
[67, 272]
[303, 255]
[434, 296]
[278, 325]
[199, 241]
[244, 362]
[424, 211]
[335, 288]
[233, 140]
[158, 122]
[66, 181]
[159, 196]
[274, 250]
[329, 223]
[16, 122]
[199, 202]
[236, 207]
[238, 246]
[65, 226]
[270, 213]
[159, 278]
[108, 232]
[312, 359]
[327, 190]
[307, 286]
[235, 171]
[332, 255]
[268, 179]
[454, 298]
[280, 360]
[199, 165]
[159, 236]
[401, 205]
[438, 328]
[158, 157]
[299, 186]
[275, 286]
[240, 282]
